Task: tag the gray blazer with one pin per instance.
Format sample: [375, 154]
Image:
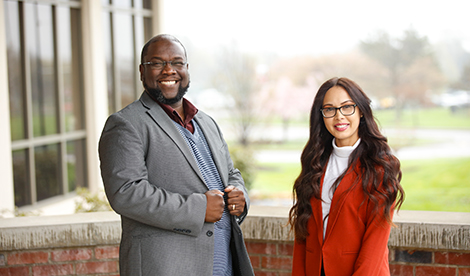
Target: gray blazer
[152, 180]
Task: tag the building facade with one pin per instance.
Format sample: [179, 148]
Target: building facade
[65, 66]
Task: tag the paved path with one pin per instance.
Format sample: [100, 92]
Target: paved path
[448, 144]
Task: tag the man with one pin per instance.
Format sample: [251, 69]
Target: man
[167, 171]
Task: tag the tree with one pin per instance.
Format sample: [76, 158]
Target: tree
[283, 98]
[464, 82]
[401, 57]
[293, 82]
[236, 76]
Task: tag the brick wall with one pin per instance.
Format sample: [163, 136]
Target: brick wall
[87, 244]
[268, 259]
[275, 259]
[405, 262]
[64, 261]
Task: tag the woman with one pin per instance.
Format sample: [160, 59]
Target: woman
[348, 188]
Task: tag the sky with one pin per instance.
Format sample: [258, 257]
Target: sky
[294, 27]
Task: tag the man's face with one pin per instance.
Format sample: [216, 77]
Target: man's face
[168, 84]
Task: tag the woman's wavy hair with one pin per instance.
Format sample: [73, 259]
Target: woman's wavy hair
[379, 168]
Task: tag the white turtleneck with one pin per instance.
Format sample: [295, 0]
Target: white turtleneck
[337, 164]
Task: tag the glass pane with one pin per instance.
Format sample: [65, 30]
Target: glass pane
[138, 4]
[105, 2]
[147, 4]
[147, 29]
[47, 167]
[76, 164]
[41, 54]
[70, 68]
[122, 3]
[77, 96]
[124, 49]
[109, 61]
[139, 34]
[15, 79]
[21, 182]
[139, 43]
[143, 4]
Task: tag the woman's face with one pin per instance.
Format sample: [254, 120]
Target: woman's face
[343, 127]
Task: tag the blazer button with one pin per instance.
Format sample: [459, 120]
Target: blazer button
[209, 233]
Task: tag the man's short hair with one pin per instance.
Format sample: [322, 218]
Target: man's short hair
[158, 38]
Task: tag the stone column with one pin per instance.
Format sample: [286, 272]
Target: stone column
[7, 199]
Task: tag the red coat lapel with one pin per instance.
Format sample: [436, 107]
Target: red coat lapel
[342, 192]
[317, 214]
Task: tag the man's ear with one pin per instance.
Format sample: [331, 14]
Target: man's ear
[141, 70]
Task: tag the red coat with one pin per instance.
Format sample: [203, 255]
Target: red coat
[355, 241]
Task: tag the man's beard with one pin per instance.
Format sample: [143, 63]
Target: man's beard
[157, 94]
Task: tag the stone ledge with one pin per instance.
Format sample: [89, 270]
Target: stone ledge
[84, 229]
[415, 229]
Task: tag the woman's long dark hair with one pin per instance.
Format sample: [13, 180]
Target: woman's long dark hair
[379, 168]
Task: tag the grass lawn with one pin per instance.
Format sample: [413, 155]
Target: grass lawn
[430, 185]
[437, 185]
[439, 117]
[274, 180]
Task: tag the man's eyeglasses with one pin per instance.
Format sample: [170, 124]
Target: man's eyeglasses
[346, 110]
[159, 65]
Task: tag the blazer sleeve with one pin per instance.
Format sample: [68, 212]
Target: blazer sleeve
[373, 257]
[298, 265]
[125, 177]
[235, 179]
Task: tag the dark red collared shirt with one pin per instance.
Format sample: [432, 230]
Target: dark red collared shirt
[189, 110]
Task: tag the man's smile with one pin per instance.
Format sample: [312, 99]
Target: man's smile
[169, 83]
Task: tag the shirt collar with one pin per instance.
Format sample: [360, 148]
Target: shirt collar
[189, 110]
[345, 151]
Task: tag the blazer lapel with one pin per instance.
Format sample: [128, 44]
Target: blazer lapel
[339, 197]
[165, 123]
[317, 218]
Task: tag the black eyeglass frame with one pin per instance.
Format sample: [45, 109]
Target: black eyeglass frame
[164, 63]
[340, 110]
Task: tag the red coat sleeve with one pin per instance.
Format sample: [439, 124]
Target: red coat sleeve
[373, 257]
[298, 263]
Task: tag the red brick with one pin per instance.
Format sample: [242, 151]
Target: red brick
[97, 267]
[255, 261]
[71, 255]
[28, 258]
[261, 248]
[401, 270]
[50, 270]
[452, 258]
[109, 252]
[265, 273]
[276, 262]
[464, 271]
[285, 274]
[285, 249]
[391, 255]
[435, 271]
[14, 271]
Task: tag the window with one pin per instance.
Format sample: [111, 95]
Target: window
[46, 98]
[127, 26]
